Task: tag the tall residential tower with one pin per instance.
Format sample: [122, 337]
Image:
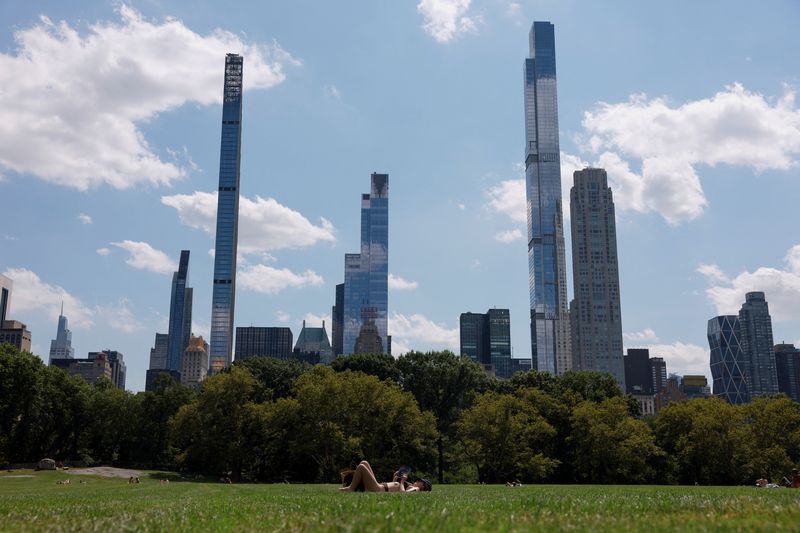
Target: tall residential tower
[547, 275]
[224, 290]
[180, 314]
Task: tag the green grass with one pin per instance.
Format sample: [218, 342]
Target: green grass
[104, 504]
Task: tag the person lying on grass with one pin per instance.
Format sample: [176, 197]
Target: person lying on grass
[364, 480]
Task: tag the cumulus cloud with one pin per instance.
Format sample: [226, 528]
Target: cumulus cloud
[268, 280]
[315, 321]
[103, 251]
[396, 283]
[444, 20]
[84, 218]
[145, 257]
[781, 287]
[283, 316]
[264, 224]
[644, 336]
[202, 330]
[733, 127]
[417, 332]
[72, 105]
[683, 358]
[34, 295]
[508, 236]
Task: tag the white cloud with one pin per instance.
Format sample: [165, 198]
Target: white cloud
[103, 251]
[72, 104]
[683, 358]
[315, 321]
[644, 336]
[268, 280]
[333, 92]
[84, 218]
[145, 257]
[733, 127]
[33, 295]
[508, 236]
[444, 20]
[508, 198]
[201, 330]
[780, 286]
[264, 224]
[283, 316]
[417, 332]
[396, 283]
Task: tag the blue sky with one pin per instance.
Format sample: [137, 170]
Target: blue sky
[109, 147]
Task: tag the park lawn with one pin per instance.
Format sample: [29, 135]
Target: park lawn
[111, 504]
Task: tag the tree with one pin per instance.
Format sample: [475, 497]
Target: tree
[381, 365]
[443, 384]
[274, 378]
[773, 437]
[154, 409]
[610, 446]
[507, 438]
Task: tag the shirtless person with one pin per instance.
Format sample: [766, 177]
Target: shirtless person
[364, 476]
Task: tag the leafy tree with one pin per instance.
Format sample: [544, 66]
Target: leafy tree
[274, 378]
[610, 446]
[773, 437]
[381, 365]
[150, 442]
[443, 384]
[21, 402]
[507, 438]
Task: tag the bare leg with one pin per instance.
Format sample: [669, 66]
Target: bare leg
[364, 475]
[369, 467]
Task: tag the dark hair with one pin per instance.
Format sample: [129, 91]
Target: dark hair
[426, 484]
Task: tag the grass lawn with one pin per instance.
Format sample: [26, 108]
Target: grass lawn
[110, 504]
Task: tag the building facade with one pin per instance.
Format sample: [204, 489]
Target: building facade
[486, 339]
[90, 369]
[695, 386]
[337, 315]
[472, 328]
[116, 361]
[659, 370]
[180, 314]
[595, 312]
[194, 363]
[366, 274]
[313, 345]
[61, 346]
[787, 366]
[263, 342]
[755, 325]
[728, 364]
[158, 353]
[6, 286]
[227, 236]
[16, 333]
[547, 274]
[638, 372]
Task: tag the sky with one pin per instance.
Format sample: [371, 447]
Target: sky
[109, 151]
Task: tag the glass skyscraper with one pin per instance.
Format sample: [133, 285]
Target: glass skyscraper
[224, 290]
[61, 346]
[756, 339]
[366, 274]
[550, 327]
[595, 312]
[180, 314]
[486, 339]
[728, 364]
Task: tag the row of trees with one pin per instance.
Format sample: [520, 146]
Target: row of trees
[274, 420]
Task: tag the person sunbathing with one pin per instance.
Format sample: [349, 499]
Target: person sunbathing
[364, 479]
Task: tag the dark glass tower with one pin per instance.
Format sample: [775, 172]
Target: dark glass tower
[180, 314]
[338, 321]
[638, 371]
[486, 339]
[756, 339]
[224, 290]
[787, 364]
[366, 274]
[263, 342]
[547, 278]
[728, 365]
[595, 311]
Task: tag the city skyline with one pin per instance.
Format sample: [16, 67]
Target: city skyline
[450, 142]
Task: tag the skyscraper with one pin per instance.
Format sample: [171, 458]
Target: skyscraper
[61, 346]
[595, 311]
[6, 285]
[787, 365]
[366, 274]
[118, 368]
[756, 339]
[638, 372]
[180, 314]
[224, 290]
[486, 339]
[728, 364]
[547, 275]
[263, 342]
[337, 314]
[194, 363]
[313, 345]
[659, 369]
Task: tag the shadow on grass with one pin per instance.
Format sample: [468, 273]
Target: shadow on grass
[179, 477]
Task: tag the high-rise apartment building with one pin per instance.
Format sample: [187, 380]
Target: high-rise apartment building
[263, 342]
[486, 339]
[547, 274]
[755, 325]
[224, 288]
[659, 369]
[366, 274]
[158, 353]
[115, 360]
[194, 363]
[61, 346]
[6, 286]
[787, 366]
[180, 314]
[337, 314]
[313, 345]
[13, 332]
[595, 312]
[728, 362]
[638, 372]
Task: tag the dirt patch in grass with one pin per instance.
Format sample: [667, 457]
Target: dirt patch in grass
[106, 471]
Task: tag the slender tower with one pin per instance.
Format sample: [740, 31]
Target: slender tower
[180, 314]
[547, 275]
[61, 346]
[224, 290]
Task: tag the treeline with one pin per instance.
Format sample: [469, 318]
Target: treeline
[276, 420]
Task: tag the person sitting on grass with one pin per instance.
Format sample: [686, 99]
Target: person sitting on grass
[364, 480]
